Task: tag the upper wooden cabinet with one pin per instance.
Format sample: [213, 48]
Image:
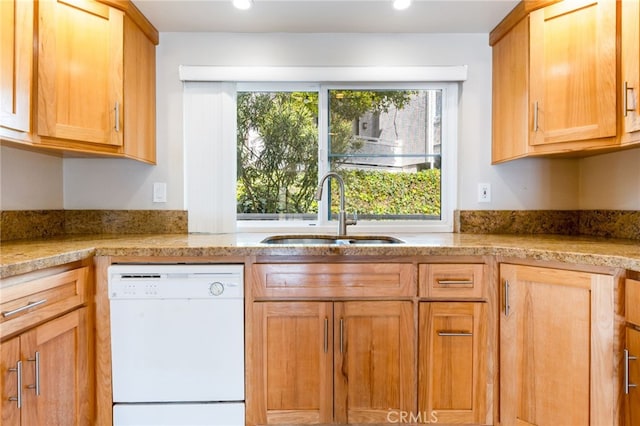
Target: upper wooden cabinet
[630, 71]
[94, 82]
[554, 81]
[16, 64]
[80, 72]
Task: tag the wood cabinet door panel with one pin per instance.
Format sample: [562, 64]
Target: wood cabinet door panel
[9, 358]
[16, 64]
[294, 360]
[139, 94]
[511, 112]
[80, 71]
[573, 71]
[633, 396]
[632, 298]
[556, 347]
[374, 362]
[60, 373]
[630, 60]
[452, 365]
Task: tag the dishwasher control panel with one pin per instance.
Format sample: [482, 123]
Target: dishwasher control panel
[176, 281]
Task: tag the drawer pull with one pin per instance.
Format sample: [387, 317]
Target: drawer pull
[117, 118]
[455, 282]
[341, 335]
[454, 333]
[18, 370]
[24, 308]
[625, 99]
[36, 359]
[628, 358]
[326, 335]
[507, 307]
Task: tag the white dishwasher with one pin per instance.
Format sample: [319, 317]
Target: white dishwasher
[177, 344]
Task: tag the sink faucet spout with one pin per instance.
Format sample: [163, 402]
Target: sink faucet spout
[342, 215]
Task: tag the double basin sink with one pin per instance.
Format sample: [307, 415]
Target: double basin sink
[331, 239]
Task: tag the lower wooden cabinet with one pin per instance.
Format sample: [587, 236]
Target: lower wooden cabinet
[632, 377]
[374, 361]
[557, 353]
[331, 362]
[295, 370]
[452, 362]
[44, 374]
[45, 365]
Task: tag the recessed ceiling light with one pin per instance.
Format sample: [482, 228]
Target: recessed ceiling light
[401, 4]
[243, 4]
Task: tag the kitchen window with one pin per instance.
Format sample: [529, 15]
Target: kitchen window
[394, 143]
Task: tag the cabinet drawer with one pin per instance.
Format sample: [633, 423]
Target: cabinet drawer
[32, 302]
[632, 301]
[446, 281]
[333, 280]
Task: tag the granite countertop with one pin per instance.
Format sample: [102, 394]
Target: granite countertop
[22, 256]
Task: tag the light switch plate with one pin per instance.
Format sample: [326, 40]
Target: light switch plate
[159, 192]
[484, 192]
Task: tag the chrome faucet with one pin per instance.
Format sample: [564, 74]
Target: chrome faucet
[342, 216]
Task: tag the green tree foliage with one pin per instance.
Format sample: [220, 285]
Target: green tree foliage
[278, 174]
[373, 192]
[278, 169]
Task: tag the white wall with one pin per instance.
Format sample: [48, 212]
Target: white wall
[30, 180]
[611, 181]
[125, 184]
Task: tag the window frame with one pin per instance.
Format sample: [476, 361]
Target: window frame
[210, 129]
[448, 193]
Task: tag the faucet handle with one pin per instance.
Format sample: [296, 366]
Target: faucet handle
[353, 221]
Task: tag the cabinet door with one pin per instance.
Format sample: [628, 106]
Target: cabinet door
[139, 94]
[292, 363]
[10, 367]
[510, 117]
[633, 392]
[16, 62]
[452, 362]
[557, 363]
[55, 372]
[573, 71]
[80, 71]
[630, 60]
[375, 362]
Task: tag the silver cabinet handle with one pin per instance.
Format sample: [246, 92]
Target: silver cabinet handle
[505, 294]
[18, 371]
[341, 335]
[24, 308]
[455, 282]
[535, 116]
[454, 333]
[326, 335]
[36, 359]
[625, 99]
[628, 358]
[117, 110]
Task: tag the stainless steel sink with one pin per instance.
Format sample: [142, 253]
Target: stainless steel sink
[331, 239]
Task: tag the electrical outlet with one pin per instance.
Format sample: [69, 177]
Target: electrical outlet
[159, 192]
[484, 192]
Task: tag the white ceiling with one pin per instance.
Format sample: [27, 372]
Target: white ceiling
[326, 16]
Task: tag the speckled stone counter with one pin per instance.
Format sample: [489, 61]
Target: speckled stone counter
[22, 256]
